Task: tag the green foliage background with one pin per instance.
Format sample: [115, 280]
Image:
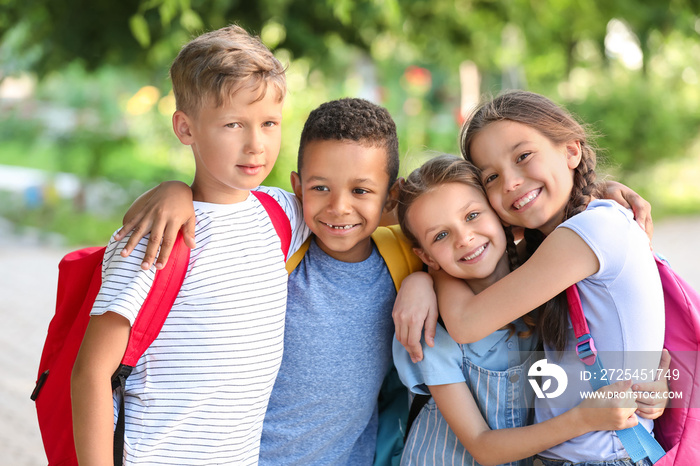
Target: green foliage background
[89, 61]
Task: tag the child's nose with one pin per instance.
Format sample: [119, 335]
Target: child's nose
[254, 141]
[466, 235]
[340, 204]
[511, 180]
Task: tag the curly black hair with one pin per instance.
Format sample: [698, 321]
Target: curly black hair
[356, 120]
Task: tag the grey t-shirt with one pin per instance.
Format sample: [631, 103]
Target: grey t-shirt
[337, 351]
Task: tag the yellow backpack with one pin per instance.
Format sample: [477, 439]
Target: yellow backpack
[393, 396]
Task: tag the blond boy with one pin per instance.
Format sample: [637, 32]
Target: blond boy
[199, 393]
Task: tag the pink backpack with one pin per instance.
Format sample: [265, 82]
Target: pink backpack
[678, 429]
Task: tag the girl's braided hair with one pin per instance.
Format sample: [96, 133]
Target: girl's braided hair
[560, 127]
[450, 169]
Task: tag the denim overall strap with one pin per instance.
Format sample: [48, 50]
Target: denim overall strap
[638, 442]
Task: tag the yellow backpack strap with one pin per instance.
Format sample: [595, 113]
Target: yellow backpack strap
[296, 258]
[397, 253]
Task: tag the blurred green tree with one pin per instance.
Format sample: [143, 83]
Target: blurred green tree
[146, 33]
[93, 56]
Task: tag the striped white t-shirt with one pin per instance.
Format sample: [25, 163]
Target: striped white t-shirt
[198, 395]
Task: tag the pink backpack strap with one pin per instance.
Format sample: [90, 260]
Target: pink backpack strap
[636, 440]
[279, 219]
[585, 346]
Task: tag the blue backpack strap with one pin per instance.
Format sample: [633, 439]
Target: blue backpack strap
[638, 442]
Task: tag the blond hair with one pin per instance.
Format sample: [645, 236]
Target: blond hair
[217, 64]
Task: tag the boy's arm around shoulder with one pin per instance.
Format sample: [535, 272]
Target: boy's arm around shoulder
[102, 349]
[166, 209]
[161, 212]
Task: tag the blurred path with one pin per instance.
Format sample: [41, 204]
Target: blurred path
[28, 275]
[679, 241]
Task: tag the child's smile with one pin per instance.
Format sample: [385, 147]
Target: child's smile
[341, 227]
[475, 254]
[527, 199]
[528, 178]
[459, 232]
[344, 187]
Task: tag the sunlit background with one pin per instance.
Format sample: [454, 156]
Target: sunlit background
[85, 107]
[85, 102]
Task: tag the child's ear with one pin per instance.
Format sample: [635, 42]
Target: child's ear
[392, 199]
[295, 179]
[427, 260]
[389, 213]
[182, 128]
[573, 153]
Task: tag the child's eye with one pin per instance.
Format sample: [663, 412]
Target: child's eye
[319, 188]
[490, 178]
[440, 236]
[522, 157]
[270, 123]
[472, 216]
[233, 125]
[360, 191]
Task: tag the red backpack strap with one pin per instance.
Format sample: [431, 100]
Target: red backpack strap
[160, 299]
[279, 219]
[155, 309]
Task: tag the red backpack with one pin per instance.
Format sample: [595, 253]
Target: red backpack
[678, 429]
[79, 281]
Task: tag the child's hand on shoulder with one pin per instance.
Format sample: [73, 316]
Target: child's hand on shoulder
[163, 212]
[415, 311]
[629, 199]
[613, 409]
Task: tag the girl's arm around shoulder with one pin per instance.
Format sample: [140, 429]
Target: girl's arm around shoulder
[102, 349]
[562, 259]
[493, 447]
